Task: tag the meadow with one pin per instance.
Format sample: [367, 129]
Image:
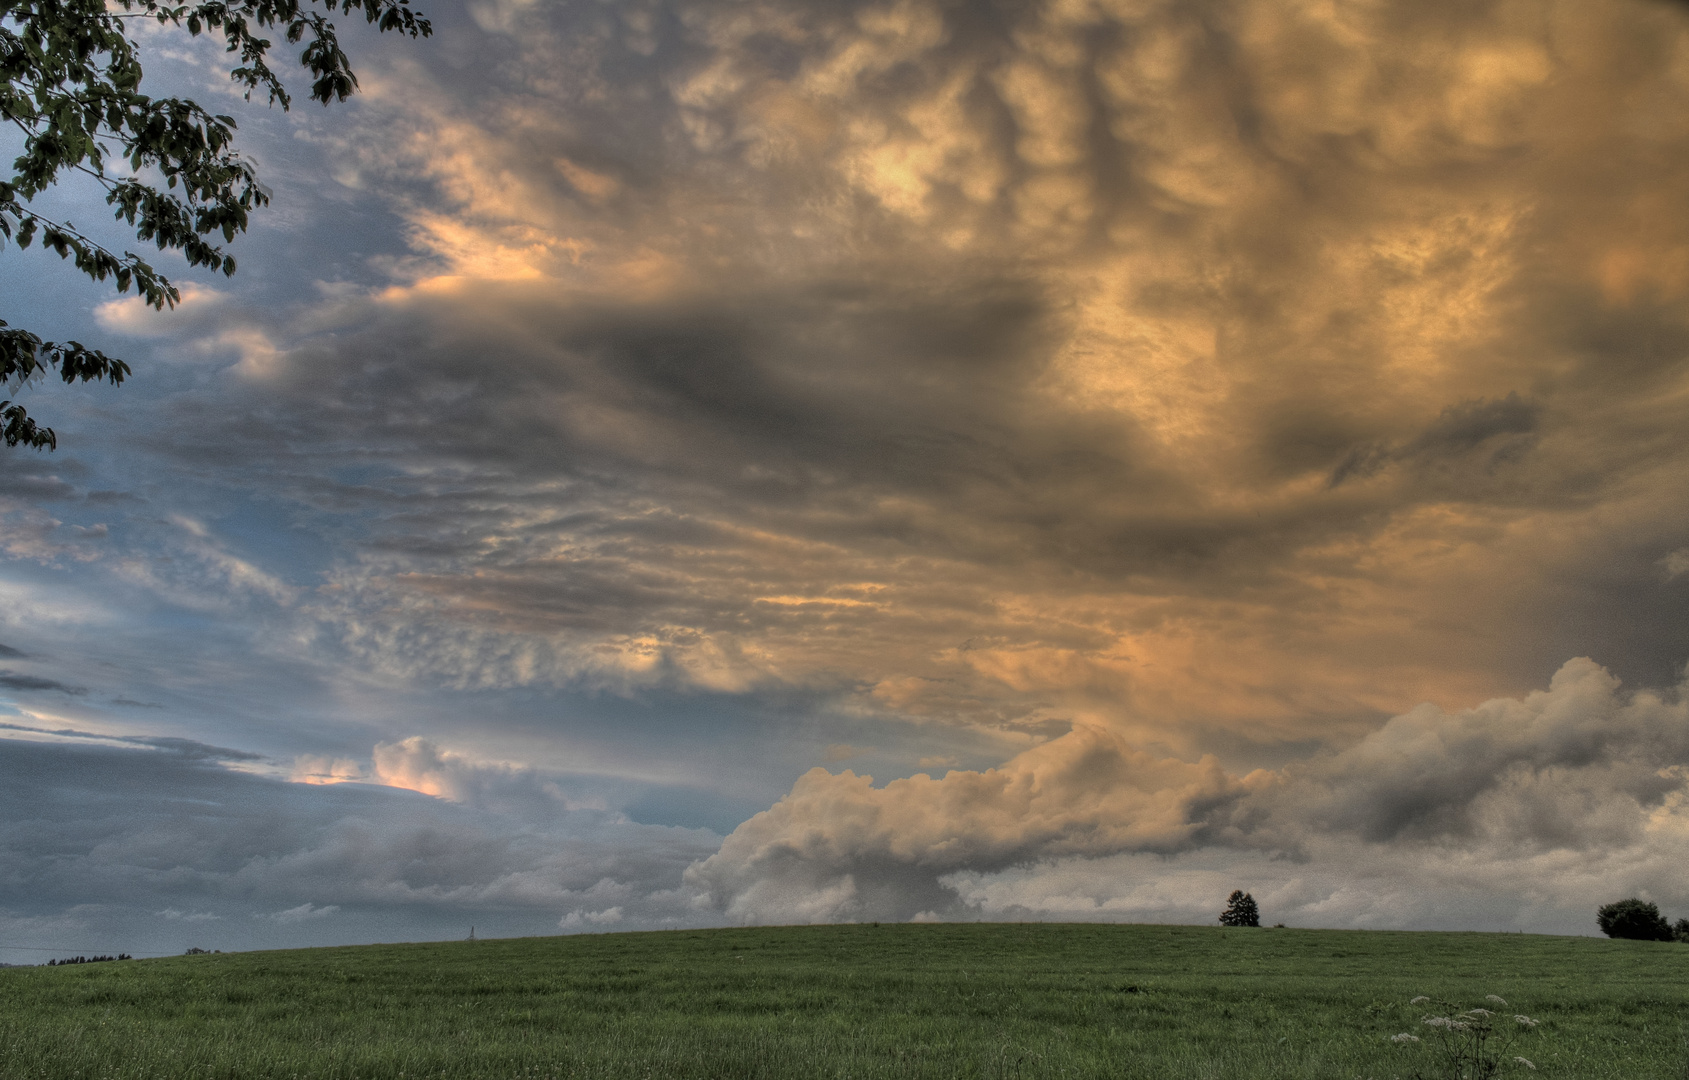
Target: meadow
[863, 1001]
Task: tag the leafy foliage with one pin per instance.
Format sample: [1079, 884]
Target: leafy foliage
[72, 87]
[1241, 910]
[1634, 919]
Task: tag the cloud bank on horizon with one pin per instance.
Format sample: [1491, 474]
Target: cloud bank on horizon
[1103, 422]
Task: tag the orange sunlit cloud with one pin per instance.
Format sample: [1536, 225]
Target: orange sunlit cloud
[1200, 432]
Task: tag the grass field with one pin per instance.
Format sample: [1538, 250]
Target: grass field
[969, 1000]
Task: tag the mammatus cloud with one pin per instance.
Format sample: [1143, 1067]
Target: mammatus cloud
[1154, 397]
[1099, 364]
[1554, 800]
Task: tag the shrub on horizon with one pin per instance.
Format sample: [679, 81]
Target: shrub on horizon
[1636, 920]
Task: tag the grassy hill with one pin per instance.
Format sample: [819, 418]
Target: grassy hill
[972, 1000]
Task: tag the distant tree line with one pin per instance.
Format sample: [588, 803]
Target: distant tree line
[89, 960]
[1638, 920]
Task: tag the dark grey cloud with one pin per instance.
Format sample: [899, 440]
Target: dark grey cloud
[1501, 429]
[187, 748]
[36, 487]
[1579, 766]
[1465, 427]
[108, 843]
[42, 478]
[13, 681]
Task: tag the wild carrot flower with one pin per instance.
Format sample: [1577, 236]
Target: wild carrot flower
[1470, 1043]
[1418, 999]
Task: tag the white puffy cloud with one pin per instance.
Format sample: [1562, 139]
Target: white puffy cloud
[29, 532]
[301, 913]
[190, 916]
[821, 852]
[579, 918]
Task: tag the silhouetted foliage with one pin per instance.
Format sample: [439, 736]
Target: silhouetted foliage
[89, 960]
[1241, 910]
[1634, 919]
[72, 90]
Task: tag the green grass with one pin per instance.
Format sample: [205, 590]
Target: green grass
[976, 1000]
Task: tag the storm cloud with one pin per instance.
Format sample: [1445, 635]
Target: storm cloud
[1139, 409]
[1112, 344]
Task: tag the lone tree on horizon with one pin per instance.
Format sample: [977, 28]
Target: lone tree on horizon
[1241, 910]
[168, 166]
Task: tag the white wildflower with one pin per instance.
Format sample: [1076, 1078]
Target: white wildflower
[1525, 1021]
[1418, 999]
[1485, 1013]
[1438, 1022]
[1523, 1062]
[1494, 998]
[1404, 1037]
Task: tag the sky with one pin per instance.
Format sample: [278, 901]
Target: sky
[671, 463]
